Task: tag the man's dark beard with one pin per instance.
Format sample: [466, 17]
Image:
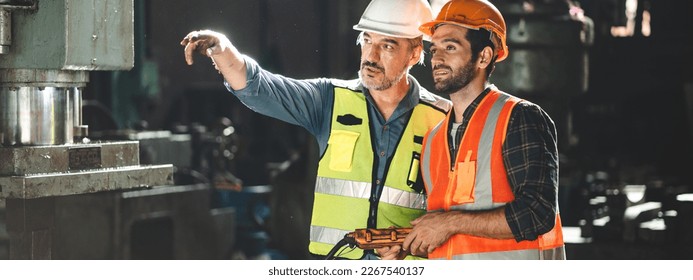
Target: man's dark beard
[459, 79]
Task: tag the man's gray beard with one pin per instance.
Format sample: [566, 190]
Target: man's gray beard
[385, 84]
[457, 81]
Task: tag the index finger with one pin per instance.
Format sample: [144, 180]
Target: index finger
[189, 49]
[408, 240]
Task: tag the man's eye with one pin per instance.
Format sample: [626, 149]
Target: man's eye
[433, 51]
[450, 48]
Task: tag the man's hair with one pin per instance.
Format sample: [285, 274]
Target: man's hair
[417, 42]
[479, 39]
[413, 43]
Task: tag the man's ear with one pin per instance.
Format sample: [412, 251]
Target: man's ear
[416, 55]
[485, 57]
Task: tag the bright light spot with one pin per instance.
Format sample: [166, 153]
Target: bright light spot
[646, 30]
[629, 29]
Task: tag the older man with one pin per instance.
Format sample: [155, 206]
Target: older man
[369, 130]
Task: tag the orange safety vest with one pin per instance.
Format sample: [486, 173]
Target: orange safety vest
[479, 182]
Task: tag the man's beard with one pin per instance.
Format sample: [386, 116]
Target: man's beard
[458, 80]
[385, 83]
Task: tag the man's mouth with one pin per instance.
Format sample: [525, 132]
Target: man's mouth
[371, 69]
[439, 71]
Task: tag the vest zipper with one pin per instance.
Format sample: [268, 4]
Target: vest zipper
[448, 203]
[450, 189]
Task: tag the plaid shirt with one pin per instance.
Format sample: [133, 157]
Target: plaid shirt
[531, 159]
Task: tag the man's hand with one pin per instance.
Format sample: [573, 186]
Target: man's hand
[205, 42]
[391, 253]
[225, 57]
[429, 232]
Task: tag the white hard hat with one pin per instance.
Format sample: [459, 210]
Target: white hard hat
[396, 18]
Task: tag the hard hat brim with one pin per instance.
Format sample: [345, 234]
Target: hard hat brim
[429, 27]
[370, 28]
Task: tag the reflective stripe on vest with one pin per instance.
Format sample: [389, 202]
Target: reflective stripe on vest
[548, 254]
[479, 157]
[363, 190]
[326, 235]
[345, 180]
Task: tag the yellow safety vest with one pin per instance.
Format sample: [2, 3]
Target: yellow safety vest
[345, 174]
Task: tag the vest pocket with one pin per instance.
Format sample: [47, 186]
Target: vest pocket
[466, 174]
[342, 143]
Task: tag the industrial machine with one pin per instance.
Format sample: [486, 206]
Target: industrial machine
[548, 61]
[47, 161]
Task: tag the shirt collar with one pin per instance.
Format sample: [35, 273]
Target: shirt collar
[408, 102]
[472, 107]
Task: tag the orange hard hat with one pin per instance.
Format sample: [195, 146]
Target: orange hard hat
[472, 14]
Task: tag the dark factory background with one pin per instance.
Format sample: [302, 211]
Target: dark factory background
[615, 75]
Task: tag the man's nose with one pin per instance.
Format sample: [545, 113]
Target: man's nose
[372, 54]
[436, 59]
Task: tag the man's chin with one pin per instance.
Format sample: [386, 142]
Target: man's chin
[440, 86]
[374, 86]
[443, 88]
[371, 83]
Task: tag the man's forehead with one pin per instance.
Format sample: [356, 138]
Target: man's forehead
[449, 34]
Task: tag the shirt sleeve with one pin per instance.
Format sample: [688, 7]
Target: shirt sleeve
[305, 103]
[531, 158]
